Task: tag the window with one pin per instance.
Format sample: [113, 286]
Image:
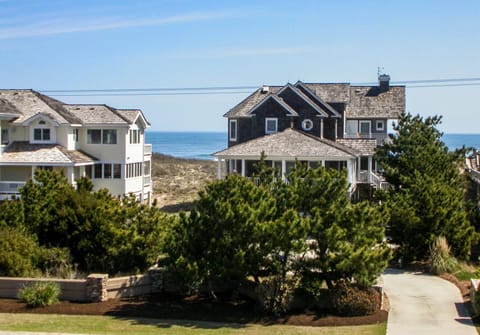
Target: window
[41, 134]
[75, 135]
[98, 171]
[352, 127]
[4, 135]
[271, 125]
[134, 136]
[88, 171]
[146, 168]
[107, 171]
[102, 136]
[365, 127]
[109, 136]
[233, 130]
[94, 136]
[380, 125]
[117, 171]
[307, 124]
[134, 170]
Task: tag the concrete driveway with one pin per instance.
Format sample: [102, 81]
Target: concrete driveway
[424, 304]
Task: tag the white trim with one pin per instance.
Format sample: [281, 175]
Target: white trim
[294, 89]
[266, 125]
[377, 122]
[230, 123]
[360, 122]
[41, 117]
[304, 127]
[280, 102]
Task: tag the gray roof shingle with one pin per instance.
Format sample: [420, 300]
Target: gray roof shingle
[365, 147]
[43, 154]
[360, 101]
[96, 114]
[289, 143]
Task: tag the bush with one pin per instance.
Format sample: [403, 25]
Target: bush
[350, 300]
[18, 256]
[441, 260]
[40, 294]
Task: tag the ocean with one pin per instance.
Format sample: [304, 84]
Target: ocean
[200, 145]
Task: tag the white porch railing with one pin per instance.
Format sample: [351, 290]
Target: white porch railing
[365, 177]
[379, 137]
[147, 149]
[11, 187]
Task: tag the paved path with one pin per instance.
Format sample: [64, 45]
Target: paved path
[424, 304]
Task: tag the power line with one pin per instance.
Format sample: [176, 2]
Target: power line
[222, 90]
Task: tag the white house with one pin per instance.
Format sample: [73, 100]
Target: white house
[98, 141]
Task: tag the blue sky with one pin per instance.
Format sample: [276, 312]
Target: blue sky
[68, 45]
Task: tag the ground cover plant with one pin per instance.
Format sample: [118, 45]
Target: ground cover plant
[40, 294]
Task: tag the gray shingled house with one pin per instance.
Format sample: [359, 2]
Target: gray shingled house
[336, 125]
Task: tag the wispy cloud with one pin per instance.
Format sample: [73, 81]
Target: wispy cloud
[240, 52]
[64, 26]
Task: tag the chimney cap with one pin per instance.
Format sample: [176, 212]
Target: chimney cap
[265, 89]
[383, 77]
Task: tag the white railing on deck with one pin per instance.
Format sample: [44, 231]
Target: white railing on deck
[379, 137]
[11, 187]
[147, 149]
[374, 179]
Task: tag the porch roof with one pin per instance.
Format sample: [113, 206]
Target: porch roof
[365, 147]
[290, 143]
[25, 153]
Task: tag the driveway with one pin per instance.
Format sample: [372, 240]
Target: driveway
[424, 304]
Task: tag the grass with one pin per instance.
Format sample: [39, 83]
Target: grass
[142, 326]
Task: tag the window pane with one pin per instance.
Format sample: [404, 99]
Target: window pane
[109, 136]
[146, 168]
[94, 136]
[4, 135]
[37, 134]
[46, 134]
[365, 127]
[98, 171]
[117, 171]
[88, 171]
[107, 171]
[271, 125]
[233, 130]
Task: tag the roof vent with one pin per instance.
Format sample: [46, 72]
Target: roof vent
[265, 89]
[384, 81]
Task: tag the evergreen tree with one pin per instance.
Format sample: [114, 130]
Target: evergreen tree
[427, 199]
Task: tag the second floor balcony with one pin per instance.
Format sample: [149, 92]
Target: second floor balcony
[379, 137]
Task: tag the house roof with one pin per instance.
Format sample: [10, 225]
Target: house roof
[289, 143]
[365, 147]
[43, 154]
[25, 104]
[360, 101]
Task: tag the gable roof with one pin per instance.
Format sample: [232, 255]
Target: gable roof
[289, 143]
[304, 97]
[278, 100]
[360, 101]
[24, 105]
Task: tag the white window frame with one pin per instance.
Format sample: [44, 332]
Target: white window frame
[304, 124]
[42, 126]
[380, 122]
[266, 125]
[103, 137]
[369, 127]
[234, 124]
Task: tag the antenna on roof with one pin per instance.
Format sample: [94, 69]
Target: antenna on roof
[380, 70]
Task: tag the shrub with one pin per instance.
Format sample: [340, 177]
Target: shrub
[18, 254]
[441, 260]
[40, 294]
[350, 300]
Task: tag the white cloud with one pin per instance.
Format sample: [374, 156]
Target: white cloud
[65, 25]
[240, 52]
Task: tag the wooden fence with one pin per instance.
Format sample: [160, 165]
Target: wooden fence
[97, 287]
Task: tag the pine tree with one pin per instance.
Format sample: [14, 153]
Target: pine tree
[427, 199]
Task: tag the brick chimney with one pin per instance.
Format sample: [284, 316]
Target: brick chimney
[384, 82]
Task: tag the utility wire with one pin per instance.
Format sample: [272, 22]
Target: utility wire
[216, 90]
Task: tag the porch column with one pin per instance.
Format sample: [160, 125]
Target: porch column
[33, 172]
[70, 174]
[219, 169]
[369, 169]
[321, 128]
[349, 172]
[284, 169]
[323, 163]
[243, 168]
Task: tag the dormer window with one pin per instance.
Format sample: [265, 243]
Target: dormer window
[41, 134]
[271, 125]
